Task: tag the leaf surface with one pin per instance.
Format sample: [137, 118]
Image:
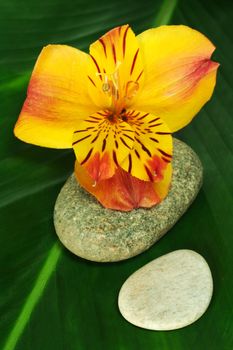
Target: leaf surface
[51, 299]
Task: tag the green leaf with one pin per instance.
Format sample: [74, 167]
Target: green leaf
[34, 296]
[51, 299]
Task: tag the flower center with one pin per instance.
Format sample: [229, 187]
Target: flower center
[120, 94]
[114, 117]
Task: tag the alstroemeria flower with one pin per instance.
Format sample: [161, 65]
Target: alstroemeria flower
[118, 106]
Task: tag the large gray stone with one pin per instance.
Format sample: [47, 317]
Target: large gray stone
[98, 234]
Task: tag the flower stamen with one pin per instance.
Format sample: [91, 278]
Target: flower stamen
[132, 88]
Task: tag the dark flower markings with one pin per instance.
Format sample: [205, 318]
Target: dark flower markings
[102, 114]
[129, 137]
[134, 61]
[166, 155]
[149, 173]
[114, 53]
[127, 130]
[124, 41]
[145, 149]
[115, 158]
[96, 137]
[153, 120]
[131, 113]
[92, 121]
[139, 76]
[124, 143]
[165, 160]
[158, 124]
[87, 157]
[103, 43]
[84, 130]
[97, 66]
[136, 120]
[137, 154]
[130, 164]
[104, 144]
[82, 139]
[142, 117]
[101, 40]
[153, 139]
[91, 81]
[163, 133]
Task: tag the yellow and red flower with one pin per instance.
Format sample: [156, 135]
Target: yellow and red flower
[118, 106]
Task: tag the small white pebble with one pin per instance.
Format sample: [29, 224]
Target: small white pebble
[170, 292]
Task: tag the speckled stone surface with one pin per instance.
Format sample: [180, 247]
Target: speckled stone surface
[170, 292]
[98, 234]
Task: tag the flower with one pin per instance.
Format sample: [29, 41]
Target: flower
[118, 106]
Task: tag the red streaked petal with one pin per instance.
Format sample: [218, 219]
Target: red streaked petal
[179, 74]
[57, 98]
[123, 191]
[100, 167]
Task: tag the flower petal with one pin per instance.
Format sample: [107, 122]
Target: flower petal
[152, 149]
[162, 187]
[179, 75]
[123, 191]
[117, 65]
[57, 97]
[101, 143]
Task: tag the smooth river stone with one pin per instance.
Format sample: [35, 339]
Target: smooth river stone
[98, 234]
[170, 292]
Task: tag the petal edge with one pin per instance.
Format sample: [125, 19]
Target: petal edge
[179, 76]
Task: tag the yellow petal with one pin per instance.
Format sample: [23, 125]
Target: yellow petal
[102, 143]
[152, 148]
[162, 187]
[117, 68]
[179, 75]
[57, 98]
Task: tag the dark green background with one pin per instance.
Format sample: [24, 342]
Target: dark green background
[78, 307]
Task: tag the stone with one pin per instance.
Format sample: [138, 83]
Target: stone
[168, 293]
[103, 235]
